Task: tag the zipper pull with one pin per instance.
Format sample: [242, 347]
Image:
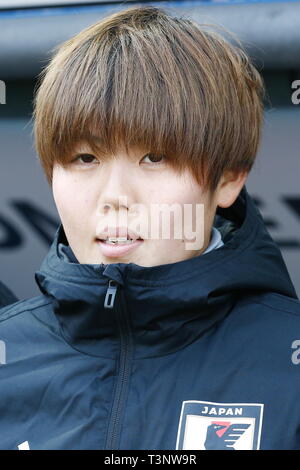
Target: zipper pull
[110, 294]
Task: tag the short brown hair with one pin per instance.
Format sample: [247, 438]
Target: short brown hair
[143, 77]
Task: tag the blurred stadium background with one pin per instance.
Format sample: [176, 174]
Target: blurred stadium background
[29, 29]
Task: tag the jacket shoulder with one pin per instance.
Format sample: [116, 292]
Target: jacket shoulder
[22, 306]
[278, 302]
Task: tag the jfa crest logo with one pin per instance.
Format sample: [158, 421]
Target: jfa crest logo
[206, 425]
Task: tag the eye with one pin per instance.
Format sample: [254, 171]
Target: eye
[85, 158]
[157, 158]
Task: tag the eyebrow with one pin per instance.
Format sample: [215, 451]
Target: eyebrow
[95, 137]
[84, 141]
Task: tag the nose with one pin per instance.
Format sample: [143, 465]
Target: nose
[117, 186]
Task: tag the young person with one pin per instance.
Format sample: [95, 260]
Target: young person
[144, 343]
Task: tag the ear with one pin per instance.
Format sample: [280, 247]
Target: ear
[229, 187]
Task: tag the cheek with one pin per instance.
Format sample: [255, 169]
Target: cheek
[179, 189]
[70, 204]
[62, 197]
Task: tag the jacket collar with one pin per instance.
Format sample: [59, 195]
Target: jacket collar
[163, 308]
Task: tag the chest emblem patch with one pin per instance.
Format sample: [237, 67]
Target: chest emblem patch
[205, 425]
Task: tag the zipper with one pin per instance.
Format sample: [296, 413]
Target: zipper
[124, 364]
[110, 294]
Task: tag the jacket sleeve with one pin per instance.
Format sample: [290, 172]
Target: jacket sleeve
[6, 296]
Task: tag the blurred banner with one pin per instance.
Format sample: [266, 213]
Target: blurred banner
[28, 218]
[269, 30]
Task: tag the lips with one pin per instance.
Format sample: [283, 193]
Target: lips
[118, 250]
